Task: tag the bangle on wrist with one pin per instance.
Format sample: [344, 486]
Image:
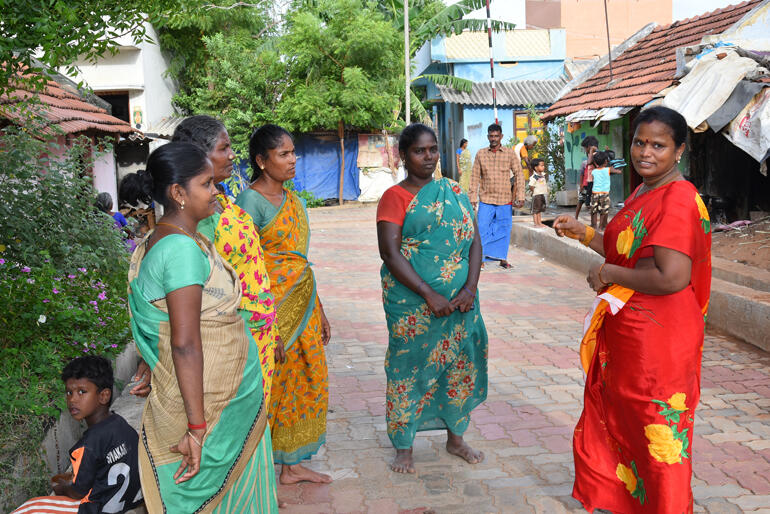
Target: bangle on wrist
[469, 292]
[201, 426]
[600, 275]
[197, 441]
[590, 233]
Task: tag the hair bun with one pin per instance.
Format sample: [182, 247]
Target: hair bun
[135, 189]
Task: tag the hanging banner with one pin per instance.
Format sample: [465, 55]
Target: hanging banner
[373, 151]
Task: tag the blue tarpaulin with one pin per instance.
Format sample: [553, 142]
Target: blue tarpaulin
[318, 167]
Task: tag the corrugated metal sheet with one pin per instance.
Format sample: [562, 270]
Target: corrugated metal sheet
[165, 127]
[649, 66]
[64, 111]
[510, 93]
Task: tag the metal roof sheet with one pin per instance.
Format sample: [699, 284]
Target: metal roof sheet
[509, 92]
[62, 110]
[647, 67]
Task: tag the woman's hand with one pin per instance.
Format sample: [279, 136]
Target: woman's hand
[191, 455]
[61, 483]
[566, 225]
[280, 351]
[438, 305]
[463, 301]
[144, 376]
[593, 278]
[326, 329]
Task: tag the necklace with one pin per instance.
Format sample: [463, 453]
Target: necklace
[185, 232]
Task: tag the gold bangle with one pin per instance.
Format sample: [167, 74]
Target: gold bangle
[600, 274]
[590, 233]
[200, 444]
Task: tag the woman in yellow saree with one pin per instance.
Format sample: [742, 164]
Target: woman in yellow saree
[300, 390]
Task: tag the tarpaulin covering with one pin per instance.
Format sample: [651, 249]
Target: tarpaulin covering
[318, 167]
[708, 85]
[750, 130]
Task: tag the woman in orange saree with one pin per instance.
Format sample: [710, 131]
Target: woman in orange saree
[643, 342]
[300, 391]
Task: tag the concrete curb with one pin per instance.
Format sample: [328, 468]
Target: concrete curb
[734, 308]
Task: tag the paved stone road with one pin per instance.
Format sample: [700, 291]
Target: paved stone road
[533, 314]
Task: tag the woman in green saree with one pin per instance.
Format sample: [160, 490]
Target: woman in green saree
[436, 363]
[206, 400]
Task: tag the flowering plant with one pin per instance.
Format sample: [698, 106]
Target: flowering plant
[49, 318]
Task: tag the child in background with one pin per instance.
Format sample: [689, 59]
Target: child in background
[105, 468]
[538, 184]
[600, 195]
[590, 145]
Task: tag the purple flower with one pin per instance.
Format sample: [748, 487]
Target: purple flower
[93, 302]
[30, 281]
[113, 346]
[46, 300]
[82, 270]
[55, 291]
[102, 296]
[70, 276]
[2, 261]
[25, 269]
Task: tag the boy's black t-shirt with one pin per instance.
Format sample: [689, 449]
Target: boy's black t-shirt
[105, 466]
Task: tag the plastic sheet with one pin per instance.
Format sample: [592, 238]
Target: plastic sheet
[318, 167]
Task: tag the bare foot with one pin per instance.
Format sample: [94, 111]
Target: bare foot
[403, 463]
[294, 473]
[505, 264]
[456, 445]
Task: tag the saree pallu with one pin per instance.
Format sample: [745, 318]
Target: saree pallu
[235, 473]
[436, 367]
[633, 442]
[237, 241]
[300, 392]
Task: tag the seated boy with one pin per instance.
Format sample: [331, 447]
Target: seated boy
[538, 183]
[105, 469]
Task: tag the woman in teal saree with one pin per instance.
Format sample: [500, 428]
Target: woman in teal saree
[436, 363]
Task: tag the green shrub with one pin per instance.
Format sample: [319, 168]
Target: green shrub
[63, 272]
[311, 199]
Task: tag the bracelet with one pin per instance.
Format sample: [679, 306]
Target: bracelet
[195, 439]
[202, 426]
[590, 233]
[420, 285]
[470, 292]
[600, 274]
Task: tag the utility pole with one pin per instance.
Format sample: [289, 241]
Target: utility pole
[491, 62]
[407, 65]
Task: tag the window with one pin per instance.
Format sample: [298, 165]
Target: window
[525, 124]
[119, 102]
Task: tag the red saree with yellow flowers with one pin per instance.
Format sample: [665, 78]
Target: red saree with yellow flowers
[633, 442]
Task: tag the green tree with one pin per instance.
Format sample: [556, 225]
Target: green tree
[240, 84]
[185, 36]
[344, 65]
[56, 33]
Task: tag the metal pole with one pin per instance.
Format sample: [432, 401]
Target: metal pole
[491, 62]
[407, 65]
[609, 47]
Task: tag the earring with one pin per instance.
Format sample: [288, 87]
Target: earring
[261, 167]
[182, 205]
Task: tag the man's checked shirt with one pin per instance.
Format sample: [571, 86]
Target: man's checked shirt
[490, 176]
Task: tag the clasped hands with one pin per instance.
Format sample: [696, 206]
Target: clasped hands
[440, 306]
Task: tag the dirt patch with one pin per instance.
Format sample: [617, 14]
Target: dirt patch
[748, 245]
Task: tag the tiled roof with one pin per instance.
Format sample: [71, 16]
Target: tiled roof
[509, 92]
[65, 111]
[648, 67]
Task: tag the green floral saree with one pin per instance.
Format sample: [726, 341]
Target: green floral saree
[436, 367]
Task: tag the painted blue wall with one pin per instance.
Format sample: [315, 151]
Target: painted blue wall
[522, 70]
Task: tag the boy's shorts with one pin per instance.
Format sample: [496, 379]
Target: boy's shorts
[538, 204]
[585, 195]
[600, 203]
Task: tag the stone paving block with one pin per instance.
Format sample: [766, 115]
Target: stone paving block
[534, 317]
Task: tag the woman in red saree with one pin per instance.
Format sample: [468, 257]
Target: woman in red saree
[643, 341]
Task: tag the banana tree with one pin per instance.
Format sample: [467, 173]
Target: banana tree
[430, 19]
